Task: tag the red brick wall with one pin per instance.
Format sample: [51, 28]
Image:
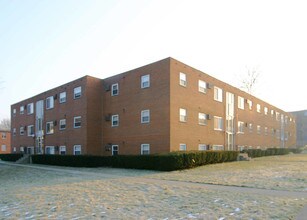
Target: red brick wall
[5, 139]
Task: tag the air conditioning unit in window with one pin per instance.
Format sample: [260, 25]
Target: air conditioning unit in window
[107, 117]
[107, 87]
[55, 96]
[108, 147]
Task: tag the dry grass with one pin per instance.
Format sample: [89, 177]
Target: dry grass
[28, 193]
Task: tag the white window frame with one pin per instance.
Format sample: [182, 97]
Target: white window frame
[77, 92]
[30, 108]
[145, 116]
[115, 120]
[49, 102]
[258, 108]
[218, 123]
[62, 149]
[21, 110]
[22, 130]
[218, 94]
[3, 135]
[240, 102]
[77, 148]
[182, 115]
[61, 123]
[182, 147]
[266, 131]
[52, 150]
[75, 121]
[62, 97]
[14, 112]
[3, 147]
[115, 89]
[250, 127]
[240, 127]
[217, 147]
[115, 148]
[266, 110]
[202, 118]
[50, 129]
[14, 132]
[145, 81]
[183, 79]
[202, 86]
[145, 149]
[29, 129]
[202, 147]
[250, 104]
[258, 129]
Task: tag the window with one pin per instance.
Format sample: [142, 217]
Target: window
[14, 131]
[258, 108]
[202, 119]
[77, 122]
[240, 127]
[145, 116]
[218, 123]
[62, 97]
[49, 127]
[22, 130]
[182, 147]
[250, 104]
[77, 150]
[145, 149]
[50, 150]
[114, 150]
[3, 147]
[145, 81]
[14, 112]
[62, 150]
[277, 116]
[265, 130]
[30, 108]
[250, 127]
[49, 102]
[218, 94]
[272, 113]
[240, 102]
[266, 110]
[77, 92]
[62, 124]
[217, 147]
[202, 86]
[202, 147]
[30, 131]
[114, 89]
[3, 135]
[115, 120]
[258, 129]
[183, 79]
[22, 110]
[183, 115]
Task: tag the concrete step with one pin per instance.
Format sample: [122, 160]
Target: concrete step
[25, 159]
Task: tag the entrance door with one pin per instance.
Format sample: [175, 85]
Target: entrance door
[230, 121]
[39, 126]
[30, 150]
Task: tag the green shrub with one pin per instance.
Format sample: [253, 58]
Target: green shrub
[163, 162]
[10, 157]
[268, 152]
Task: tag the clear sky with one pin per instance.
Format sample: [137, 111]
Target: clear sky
[46, 43]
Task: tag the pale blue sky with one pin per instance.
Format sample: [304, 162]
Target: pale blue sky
[46, 43]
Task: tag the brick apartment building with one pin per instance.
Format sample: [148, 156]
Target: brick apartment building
[161, 107]
[5, 142]
[301, 127]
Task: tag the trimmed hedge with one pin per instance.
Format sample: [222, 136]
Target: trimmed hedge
[10, 157]
[162, 162]
[268, 152]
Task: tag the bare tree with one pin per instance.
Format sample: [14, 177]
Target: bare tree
[249, 81]
[5, 124]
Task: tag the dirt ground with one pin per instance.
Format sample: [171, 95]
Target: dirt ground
[43, 192]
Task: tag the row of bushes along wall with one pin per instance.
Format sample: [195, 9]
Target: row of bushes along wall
[270, 152]
[10, 157]
[162, 162]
